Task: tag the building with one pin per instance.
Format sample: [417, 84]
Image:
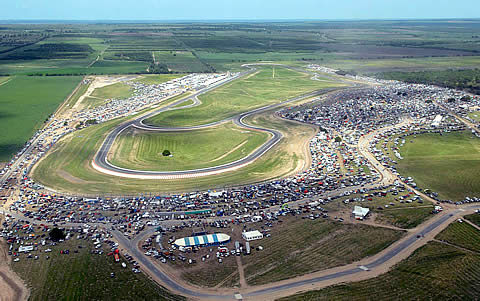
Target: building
[252, 235]
[203, 240]
[360, 213]
[436, 122]
[25, 249]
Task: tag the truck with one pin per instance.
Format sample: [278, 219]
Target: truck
[247, 248]
[237, 248]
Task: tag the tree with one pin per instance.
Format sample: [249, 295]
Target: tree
[166, 153]
[56, 234]
[338, 139]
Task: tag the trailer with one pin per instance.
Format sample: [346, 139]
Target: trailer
[247, 248]
[237, 248]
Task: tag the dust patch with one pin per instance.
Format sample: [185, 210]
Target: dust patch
[72, 179]
[11, 285]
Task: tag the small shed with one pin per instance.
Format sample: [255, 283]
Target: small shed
[252, 235]
[360, 213]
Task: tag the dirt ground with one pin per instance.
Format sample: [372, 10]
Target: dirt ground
[12, 288]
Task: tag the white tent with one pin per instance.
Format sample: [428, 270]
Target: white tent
[360, 212]
[252, 235]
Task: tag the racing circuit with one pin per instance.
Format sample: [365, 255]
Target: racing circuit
[101, 163]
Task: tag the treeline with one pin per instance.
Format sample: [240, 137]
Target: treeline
[467, 80]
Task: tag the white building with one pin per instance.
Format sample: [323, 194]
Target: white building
[436, 122]
[25, 249]
[360, 213]
[252, 235]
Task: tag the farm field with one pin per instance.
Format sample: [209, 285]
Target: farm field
[302, 246]
[435, 271]
[359, 46]
[24, 110]
[474, 218]
[82, 275]
[180, 61]
[455, 156]
[142, 150]
[266, 86]
[67, 167]
[461, 234]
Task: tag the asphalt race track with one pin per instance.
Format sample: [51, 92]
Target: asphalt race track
[101, 163]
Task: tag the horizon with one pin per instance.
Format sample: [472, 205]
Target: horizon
[152, 21]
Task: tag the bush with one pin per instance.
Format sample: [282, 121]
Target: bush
[166, 153]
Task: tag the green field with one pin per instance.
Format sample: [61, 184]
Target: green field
[434, 272]
[142, 150]
[117, 91]
[302, 246]
[448, 164]
[260, 89]
[84, 276]
[25, 104]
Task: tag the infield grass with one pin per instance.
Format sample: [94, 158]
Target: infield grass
[135, 149]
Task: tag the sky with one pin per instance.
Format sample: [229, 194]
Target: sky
[236, 9]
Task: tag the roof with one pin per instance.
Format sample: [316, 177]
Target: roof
[249, 234]
[357, 210]
[216, 238]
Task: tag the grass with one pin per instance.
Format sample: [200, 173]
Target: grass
[433, 272]
[243, 95]
[155, 79]
[213, 274]
[401, 214]
[405, 218]
[117, 91]
[461, 234]
[475, 116]
[303, 246]
[194, 149]
[448, 164]
[84, 276]
[25, 104]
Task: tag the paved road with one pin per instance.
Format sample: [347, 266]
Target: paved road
[101, 163]
[388, 255]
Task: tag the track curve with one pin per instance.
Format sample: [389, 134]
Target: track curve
[101, 163]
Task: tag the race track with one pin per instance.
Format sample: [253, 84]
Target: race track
[101, 163]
